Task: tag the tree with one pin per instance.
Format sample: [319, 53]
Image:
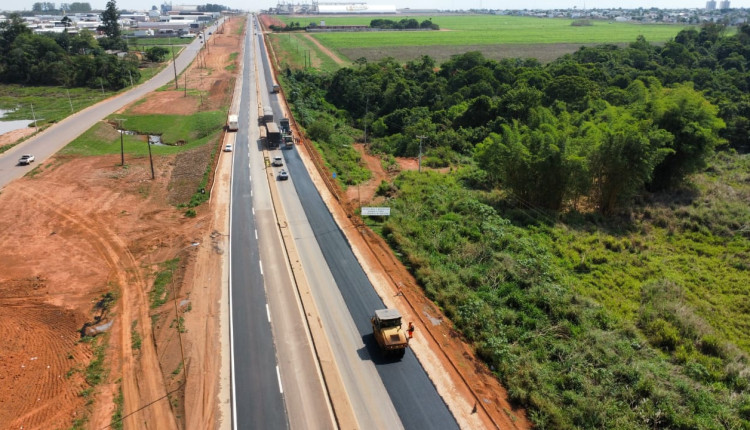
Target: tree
[623, 153]
[79, 7]
[156, 54]
[43, 7]
[110, 17]
[693, 122]
[531, 163]
[10, 29]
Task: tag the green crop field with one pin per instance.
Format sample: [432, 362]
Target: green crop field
[494, 35]
[491, 29]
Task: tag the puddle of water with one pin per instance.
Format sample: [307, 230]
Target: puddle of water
[6, 126]
[153, 139]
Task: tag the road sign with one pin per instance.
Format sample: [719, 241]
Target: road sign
[376, 211]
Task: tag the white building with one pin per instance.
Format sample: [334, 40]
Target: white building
[350, 8]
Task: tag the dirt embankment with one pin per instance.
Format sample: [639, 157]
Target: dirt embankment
[77, 229]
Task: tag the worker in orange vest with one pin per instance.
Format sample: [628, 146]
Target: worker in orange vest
[410, 330]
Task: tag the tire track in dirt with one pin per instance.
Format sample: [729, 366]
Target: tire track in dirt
[142, 379]
[326, 51]
[39, 375]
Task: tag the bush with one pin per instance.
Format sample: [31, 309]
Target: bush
[156, 54]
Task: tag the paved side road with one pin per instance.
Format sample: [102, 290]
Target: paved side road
[47, 143]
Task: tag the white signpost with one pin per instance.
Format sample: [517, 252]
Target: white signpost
[376, 211]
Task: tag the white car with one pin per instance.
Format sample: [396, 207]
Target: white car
[25, 160]
[277, 162]
[228, 147]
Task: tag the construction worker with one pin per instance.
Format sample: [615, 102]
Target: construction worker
[410, 330]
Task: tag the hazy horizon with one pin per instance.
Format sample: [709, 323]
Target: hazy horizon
[419, 4]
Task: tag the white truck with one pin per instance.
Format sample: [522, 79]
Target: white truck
[233, 123]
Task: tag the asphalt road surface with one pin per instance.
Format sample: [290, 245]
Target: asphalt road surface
[277, 383]
[346, 300]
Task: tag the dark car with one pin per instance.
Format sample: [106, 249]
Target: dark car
[283, 175]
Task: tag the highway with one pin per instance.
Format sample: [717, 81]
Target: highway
[276, 381]
[384, 393]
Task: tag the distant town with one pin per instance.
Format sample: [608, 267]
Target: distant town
[188, 20]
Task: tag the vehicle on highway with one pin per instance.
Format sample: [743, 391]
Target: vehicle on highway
[283, 175]
[25, 160]
[386, 328]
[228, 147]
[277, 161]
[233, 123]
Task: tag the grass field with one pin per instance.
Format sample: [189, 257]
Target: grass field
[192, 130]
[50, 104]
[292, 48]
[491, 29]
[495, 36]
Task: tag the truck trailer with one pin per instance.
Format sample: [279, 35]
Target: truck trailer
[267, 115]
[273, 135]
[233, 123]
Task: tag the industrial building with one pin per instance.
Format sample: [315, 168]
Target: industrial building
[315, 7]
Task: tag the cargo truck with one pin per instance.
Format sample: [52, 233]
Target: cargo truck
[233, 123]
[273, 135]
[284, 125]
[267, 115]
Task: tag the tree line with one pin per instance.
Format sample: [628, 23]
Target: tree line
[71, 60]
[602, 124]
[404, 24]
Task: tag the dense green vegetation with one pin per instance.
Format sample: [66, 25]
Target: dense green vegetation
[63, 59]
[588, 239]
[490, 30]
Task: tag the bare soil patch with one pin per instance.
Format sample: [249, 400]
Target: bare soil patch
[77, 228]
[14, 136]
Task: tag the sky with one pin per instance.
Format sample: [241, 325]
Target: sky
[413, 4]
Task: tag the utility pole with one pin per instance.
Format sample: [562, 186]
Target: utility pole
[122, 146]
[69, 102]
[34, 115]
[174, 63]
[150, 159]
[420, 151]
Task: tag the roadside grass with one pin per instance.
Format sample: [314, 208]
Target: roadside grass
[157, 41]
[159, 292]
[151, 71]
[583, 316]
[135, 337]
[117, 416]
[179, 133]
[292, 48]
[241, 28]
